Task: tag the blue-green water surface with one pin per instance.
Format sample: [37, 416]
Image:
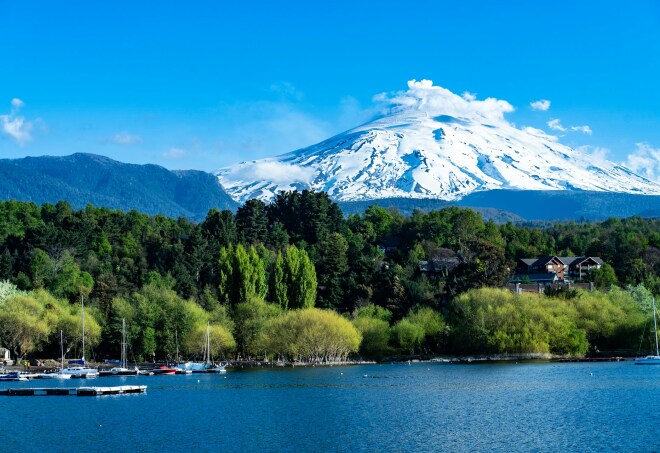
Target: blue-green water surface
[398, 407]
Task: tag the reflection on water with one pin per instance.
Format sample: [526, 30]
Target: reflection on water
[484, 407]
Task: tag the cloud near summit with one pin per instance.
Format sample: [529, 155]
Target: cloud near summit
[424, 96]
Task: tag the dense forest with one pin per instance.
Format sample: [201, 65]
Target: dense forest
[296, 280]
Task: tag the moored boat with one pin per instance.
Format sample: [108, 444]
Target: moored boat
[651, 359]
[121, 370]
[12, 377]
[163, 369]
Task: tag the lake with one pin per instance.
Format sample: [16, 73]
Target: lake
[392, 407]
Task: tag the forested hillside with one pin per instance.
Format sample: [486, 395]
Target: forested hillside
[89, 178]
[264, 275]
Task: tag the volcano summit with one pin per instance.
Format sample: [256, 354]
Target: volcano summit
[432, 143]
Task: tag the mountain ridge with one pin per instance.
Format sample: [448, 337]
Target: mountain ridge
[84, 178]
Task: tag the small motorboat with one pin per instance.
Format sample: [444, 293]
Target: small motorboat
[119, 371]
[12, 377]
[163, 369]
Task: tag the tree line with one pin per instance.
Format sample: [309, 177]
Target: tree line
[271, 268]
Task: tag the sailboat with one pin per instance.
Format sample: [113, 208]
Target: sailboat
[79, 372]
[651, 359]
[181, 368]
[121, 370]
[207, 366]
[59, 374]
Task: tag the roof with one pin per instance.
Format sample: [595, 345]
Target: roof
[567, 260]
[538, 261]
[575, 260]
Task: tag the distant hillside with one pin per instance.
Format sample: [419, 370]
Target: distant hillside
[87, 178]
[516, 205]
[407, 205]
[566, 205]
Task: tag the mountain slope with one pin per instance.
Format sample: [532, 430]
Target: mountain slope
[87, 178]
[433, 144]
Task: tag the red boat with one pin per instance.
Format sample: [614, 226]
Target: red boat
[163, 369]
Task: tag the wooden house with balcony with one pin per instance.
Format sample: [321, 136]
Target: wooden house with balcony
[553, 269]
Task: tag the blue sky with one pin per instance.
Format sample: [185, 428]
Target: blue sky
[206, 84]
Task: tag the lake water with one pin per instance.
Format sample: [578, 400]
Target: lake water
[400, 407]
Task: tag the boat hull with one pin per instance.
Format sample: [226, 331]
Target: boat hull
[648, 360]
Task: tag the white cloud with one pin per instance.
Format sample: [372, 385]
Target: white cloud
[277, 172]
[586, 129]
[174, 153]
[555, 125]
[14, 125]
[542, 105]
[645, 160]
[17, 103]
[597, 153]
[469, 96]
[424, 96]
[125, 138]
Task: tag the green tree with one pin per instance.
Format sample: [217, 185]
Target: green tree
[375, 336]
[408, 335]
[311, 335]
[252, 222]
[23, 327]
[294, 282]
[603, 277]
[250, 317]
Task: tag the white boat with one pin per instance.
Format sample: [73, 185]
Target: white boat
[651, 359]
[207, 366]
[121, 370]
[78, 372]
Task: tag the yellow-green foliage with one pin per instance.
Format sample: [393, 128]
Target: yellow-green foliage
[610, 319]
[491, 320]
[422, 327]
[375, 336]
[408, 334]
[311, 335]
[27, 320]
[251, 317]
[22, 324]
[221, 340]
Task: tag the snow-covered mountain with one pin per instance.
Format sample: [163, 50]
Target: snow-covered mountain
[432, 144]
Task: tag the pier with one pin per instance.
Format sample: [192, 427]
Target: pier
[75, 391]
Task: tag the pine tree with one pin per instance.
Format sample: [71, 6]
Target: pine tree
[6, 265]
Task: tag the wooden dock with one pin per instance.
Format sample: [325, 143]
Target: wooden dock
[75, 391]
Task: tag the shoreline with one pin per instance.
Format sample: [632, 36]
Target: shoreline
[468, 359]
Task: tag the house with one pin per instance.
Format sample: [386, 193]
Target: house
[544, 265]
[579, 267]
[389, 244]
[441, 261]
[566, 268]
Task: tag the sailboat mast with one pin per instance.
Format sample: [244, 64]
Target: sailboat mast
[82, 304]
[123, 342]
[208, 342]
[62, 346]
[176, 340]
[655, 325]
